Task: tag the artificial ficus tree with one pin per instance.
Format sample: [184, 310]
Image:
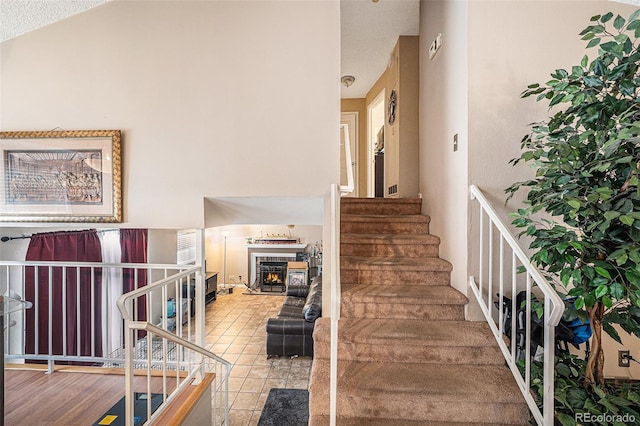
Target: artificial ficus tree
[586, 158]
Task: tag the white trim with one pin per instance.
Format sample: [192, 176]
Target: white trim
[370, 154]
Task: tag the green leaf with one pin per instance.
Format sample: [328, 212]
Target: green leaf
[619, 22]
[601, 291]
[608, 46]
[588, 36]
[616, 290]
[566, 420]
[589, 300]
[579, 303]
[608, 328]
[574, 203]
[592, 81]
[602, 272]
[585, 60]
[593, 42]
[543, 255]
[611, 215]
[606, 17]
[627, 220]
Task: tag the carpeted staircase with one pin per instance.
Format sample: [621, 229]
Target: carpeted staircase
[405, 355]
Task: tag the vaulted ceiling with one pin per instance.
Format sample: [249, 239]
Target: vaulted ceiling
[369, 29]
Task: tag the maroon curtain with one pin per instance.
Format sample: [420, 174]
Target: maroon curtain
[80, 318]
[133, 246]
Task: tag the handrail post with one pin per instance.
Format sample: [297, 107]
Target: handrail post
[128, 373]
[549, 360]
[335, 302]
[200, 298]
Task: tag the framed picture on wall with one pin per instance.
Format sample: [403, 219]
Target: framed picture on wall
[60, 176]
[296, 277]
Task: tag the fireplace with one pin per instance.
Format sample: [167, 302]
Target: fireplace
[272, 276]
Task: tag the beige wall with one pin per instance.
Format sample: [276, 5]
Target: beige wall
[491, 51]
[443, 113]
[498, 118]
[401, 145]
[237, 257]
[407, 87]
[212, 97]
[359, 105]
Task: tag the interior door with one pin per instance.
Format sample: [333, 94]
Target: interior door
[351, 120]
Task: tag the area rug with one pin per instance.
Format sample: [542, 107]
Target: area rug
[285, 407]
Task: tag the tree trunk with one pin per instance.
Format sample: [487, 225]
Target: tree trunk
[594, 373]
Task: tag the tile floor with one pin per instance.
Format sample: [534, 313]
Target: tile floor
[236, 330]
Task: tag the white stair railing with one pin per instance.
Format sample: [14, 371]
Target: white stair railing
[52, 282]
[165, 354]
[501, 260]
[336, 292]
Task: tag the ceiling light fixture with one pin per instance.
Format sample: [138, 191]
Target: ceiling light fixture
[347, 80]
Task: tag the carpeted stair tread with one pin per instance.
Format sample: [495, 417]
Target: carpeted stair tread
[410, 294]
[384, 218]
[430, 392]
[389, 239]
[413, 333]
[390, 245]
[398, 340]
[362, 421]
[424, 382]
[400, 206]
[432, 264]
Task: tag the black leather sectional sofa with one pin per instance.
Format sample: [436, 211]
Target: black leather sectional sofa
[291, 332]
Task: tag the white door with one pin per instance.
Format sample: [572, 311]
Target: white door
[351, 120]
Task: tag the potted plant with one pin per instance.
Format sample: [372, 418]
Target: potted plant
[582, 208]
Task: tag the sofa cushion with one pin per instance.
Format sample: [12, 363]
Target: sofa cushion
[313, 306]
[298, 290]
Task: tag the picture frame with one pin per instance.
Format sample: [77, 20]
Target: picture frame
[296, 277]
[61, 176]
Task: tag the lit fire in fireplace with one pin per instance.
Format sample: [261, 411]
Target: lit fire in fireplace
[273, 278]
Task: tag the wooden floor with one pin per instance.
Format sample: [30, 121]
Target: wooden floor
[65, 398]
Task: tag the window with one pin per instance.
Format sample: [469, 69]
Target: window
[186, 247]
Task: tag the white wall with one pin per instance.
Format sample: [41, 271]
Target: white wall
[213, 97]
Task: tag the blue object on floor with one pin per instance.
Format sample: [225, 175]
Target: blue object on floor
[285, 407]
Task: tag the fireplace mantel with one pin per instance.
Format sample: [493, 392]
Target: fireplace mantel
[298, 246]
[257, 251]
